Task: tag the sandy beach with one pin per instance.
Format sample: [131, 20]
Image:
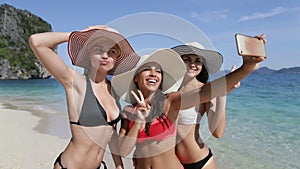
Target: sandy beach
[22, 147]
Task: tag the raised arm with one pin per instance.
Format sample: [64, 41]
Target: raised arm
[225, 84]
[216, 112]
[127, 137]
[42, 45]
[218, 87]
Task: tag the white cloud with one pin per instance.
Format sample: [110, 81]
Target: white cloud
[275, 11]
[194, 15]
[210, 15]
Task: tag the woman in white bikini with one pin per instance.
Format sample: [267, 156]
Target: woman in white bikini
[190, 149]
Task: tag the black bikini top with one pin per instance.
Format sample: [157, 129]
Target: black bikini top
[92, 113]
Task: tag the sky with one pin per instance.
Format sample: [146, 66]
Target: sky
[165, 23]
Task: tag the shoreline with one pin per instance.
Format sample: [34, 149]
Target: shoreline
[53, 124]
[21, 146]
[25, 142]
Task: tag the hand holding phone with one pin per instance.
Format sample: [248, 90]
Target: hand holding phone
[250, 46]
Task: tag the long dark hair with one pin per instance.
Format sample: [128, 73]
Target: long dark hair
[156, 111]
[157, 106]
[203, 75]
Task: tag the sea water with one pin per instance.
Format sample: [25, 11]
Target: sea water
[262, 115]
[263, 124]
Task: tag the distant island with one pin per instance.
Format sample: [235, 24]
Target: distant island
[266, 70]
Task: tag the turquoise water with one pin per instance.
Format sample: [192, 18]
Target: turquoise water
[44, 98]
[263, 124]
[263, 118]
[43, 95]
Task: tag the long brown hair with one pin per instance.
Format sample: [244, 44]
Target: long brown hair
[203, 75]
[157, 106]
[156, 111]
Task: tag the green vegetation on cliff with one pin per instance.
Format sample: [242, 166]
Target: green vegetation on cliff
[17, 60]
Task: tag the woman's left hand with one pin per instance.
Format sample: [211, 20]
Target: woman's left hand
[142, 107]
[262, 37]
[96, 27]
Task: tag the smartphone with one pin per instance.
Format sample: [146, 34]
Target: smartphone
[250, 46]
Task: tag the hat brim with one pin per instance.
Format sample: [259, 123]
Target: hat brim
[173, 72]
[212, 60]
[77, 49]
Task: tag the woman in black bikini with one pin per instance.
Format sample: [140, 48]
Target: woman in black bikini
[92, 109]
[190, 149]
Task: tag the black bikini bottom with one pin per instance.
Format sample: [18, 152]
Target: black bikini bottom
[58, 160]
[199, 164]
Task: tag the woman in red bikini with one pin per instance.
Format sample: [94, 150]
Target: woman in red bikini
[148, 124]
[153, 133]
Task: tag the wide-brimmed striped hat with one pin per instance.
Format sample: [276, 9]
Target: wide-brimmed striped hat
[78, 44]
[211, 59]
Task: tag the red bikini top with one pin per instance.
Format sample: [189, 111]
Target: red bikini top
[160, 129]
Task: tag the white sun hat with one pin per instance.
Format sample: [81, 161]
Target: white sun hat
[173, 71]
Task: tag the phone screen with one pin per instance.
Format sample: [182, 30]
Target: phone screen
[250, 46]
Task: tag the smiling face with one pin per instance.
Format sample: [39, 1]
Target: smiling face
[103, 55]
[193, 64]
[148, 78]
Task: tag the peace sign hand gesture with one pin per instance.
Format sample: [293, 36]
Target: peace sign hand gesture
[142, 108]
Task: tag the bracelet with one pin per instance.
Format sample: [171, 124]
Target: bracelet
[133, 112]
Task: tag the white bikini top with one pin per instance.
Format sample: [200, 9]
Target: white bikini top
[189, 116]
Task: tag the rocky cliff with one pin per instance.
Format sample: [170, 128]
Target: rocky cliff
[17, 60]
